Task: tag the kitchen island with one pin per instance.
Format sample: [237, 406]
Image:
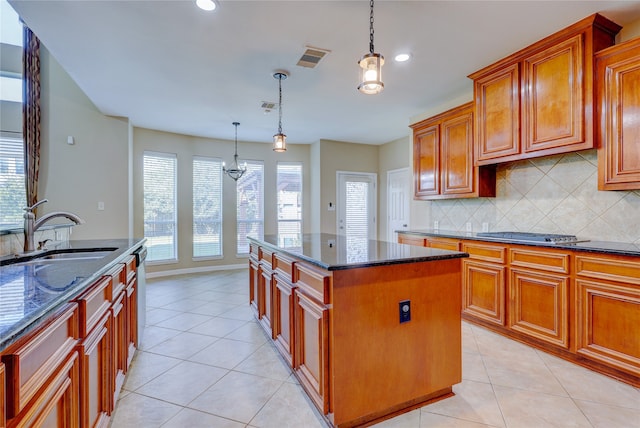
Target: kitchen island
[371, 329]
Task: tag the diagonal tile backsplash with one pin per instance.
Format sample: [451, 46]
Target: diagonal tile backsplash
[554, 194]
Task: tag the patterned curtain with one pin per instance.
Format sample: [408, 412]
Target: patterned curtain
[31, 113]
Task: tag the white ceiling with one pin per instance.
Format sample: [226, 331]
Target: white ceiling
[170, 66]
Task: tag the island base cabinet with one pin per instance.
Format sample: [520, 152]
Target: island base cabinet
[253, 287]
[96, 396]
[131, 313]
[283, 319]
[3, 418]
[57, 405]
[607, 315]
[312, 349]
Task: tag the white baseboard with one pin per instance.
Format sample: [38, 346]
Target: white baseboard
[173, 272]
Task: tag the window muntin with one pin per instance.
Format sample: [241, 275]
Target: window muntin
[160, 205]
[207, 207]
[250, 206]
[289, 204]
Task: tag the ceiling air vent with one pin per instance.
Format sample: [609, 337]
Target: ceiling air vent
[267, 106]
[312, 56]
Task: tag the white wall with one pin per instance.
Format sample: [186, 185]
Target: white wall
[75, 177]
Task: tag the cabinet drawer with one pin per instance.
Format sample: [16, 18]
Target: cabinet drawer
[313, 282]
[93, 304]
[284, 266]
[610, 268]
[130, 266]
[118, 275]
[254, 250]
[265, 256]
[551, 261]
[31, 362]
[486, 252]
[420, 241]
[444, 244]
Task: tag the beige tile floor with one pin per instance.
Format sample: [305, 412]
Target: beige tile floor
[205, 362]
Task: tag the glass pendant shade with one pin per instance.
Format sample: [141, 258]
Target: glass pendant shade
[280, 143]
[371, 74]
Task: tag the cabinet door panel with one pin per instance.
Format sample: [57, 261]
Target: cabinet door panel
[538, 306]
[483, 291]
[131, 308]
[457, 155]
[253, 287]
[608, 320]
[497, 118]
[618, 89]
[312, 346]
[95, 366]
[265, 294]
[553, 102]
[426, 155]
[283, 318]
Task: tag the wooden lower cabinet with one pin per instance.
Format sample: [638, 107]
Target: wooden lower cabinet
[312, 350]
[131, 308]
[95, 359]
[539, 306]
[265, 299]
[3, 417]
[253, 286]
[120, 345]
[283, 318]
[483, 291]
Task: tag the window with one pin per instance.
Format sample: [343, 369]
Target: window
[289, 204]
[250, 206]
[207, 207]
[160, 210]
[12, 185]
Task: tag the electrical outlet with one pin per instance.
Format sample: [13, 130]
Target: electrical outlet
[436, 224]
[405, 310]
[485, 227]
[469, 227]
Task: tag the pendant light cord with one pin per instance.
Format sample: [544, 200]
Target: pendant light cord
[280, 104]
[236, 151]
[371, 28]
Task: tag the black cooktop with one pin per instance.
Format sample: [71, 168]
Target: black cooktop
[530, 237]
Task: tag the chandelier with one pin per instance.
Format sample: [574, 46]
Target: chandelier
[371, 65]
[235, 171]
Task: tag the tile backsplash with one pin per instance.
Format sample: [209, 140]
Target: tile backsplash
[554, 194]
[13, 243]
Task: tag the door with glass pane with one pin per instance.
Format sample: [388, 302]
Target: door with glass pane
[356, 205]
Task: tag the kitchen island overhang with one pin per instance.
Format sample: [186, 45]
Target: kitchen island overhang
[336, 309]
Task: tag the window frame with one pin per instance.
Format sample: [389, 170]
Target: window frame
[301, 196]
[166, 155]
[221, 218]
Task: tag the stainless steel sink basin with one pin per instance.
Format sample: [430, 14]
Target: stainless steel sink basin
[58, 256]
[76, 255]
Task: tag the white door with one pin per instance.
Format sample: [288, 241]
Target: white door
[356, 213]
[398, 189]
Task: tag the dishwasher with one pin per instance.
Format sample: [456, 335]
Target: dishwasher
[141, 255]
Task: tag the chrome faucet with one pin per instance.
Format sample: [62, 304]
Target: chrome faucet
[31, 225]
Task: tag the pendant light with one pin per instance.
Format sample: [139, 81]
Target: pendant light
[279, 139]
[371, 66]
[236, 171]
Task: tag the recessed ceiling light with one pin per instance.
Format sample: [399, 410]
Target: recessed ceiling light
[402, 57]
[207, 5]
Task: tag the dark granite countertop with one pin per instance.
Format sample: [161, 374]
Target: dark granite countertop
[606, 247]
[336, 252]
[28, 293]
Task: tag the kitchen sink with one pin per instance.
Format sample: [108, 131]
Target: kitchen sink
[57, 256]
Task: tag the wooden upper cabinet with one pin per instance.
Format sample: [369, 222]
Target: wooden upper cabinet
[443, 158]
[426, 161]
[539, 100]
[618, 107]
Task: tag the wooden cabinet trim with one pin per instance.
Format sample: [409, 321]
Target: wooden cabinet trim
[419, 241]
[283, 265]
[94, 303]
[550, 261]
[444, 243]
[3, 418]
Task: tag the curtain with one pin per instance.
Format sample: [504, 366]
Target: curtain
[31, 113]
